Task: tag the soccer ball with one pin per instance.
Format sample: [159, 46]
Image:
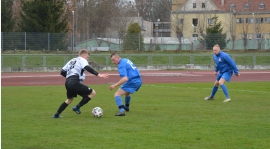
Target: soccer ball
[97, 112]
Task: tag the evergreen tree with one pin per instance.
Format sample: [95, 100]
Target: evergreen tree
[7, 21]
[7, 24]
[133, 40]
[214, 35]
[43, 17]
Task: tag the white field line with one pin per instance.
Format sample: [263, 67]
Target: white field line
[207, 89]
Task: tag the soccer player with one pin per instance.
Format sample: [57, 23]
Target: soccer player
[74, 72]
[225, 67]
[130, 80]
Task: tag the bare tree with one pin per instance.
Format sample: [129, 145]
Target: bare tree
[245, 29]
[258, 31]
[178, 25]
[121, 18]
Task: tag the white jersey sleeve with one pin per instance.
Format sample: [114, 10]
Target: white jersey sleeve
[76, 67]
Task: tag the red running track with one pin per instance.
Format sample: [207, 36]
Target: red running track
[148, 77]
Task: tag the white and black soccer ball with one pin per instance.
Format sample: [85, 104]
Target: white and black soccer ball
[97, 112]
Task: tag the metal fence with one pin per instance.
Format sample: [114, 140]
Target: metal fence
[105, 42]
[102, 61]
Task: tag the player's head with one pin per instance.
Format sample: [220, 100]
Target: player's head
[84, 54]
[216, 49]
[115, 58]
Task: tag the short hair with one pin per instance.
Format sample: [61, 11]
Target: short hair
[114, 54]
[83, 51]
[216, 45]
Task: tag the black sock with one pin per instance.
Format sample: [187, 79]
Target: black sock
[61, 108]
[121, 106]
[84, 101]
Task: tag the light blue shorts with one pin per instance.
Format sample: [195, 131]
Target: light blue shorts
[226, 75]
[132, 86]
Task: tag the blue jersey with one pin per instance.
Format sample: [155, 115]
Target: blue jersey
[127, 69]
[224, 63]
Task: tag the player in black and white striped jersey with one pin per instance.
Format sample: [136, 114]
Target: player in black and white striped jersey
[74, 72]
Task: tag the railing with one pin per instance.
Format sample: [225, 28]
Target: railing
[103, 60]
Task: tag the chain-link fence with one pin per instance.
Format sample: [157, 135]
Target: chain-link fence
[116, 42]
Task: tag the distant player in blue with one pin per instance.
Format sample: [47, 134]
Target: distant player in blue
[225, 67]
[130, 80]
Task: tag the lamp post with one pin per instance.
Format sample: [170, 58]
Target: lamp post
[72, 31]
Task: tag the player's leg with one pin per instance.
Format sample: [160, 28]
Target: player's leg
[87, 94]
[214, 89]
[225, 77]
[127, 101]
[62, 107]
[130, 88]
[70, 96]
[118, 101]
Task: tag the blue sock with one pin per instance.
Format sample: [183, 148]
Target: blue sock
[127, 101]
[214, 90]
[225, 90]
[118, 101]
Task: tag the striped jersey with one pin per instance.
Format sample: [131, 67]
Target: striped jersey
[76, 67]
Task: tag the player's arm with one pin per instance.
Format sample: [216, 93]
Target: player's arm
[231, 62]
[120, 82]
[216, 67]
[64, 71]
[91, 70]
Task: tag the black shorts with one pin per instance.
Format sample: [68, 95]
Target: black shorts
[74, 88]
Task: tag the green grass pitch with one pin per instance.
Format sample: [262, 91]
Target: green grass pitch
[161, 116]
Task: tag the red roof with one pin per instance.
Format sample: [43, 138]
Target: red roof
[240, 5]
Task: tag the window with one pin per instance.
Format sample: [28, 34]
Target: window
[247, 36]
[210, 21]
[239, 20]
[179, 35]
[203, 5]
[246, 6]
[261, 6]
[258, 36]
[164, 35]
[267, 20]
[267, 35]
[195, 22]
[194, 5]
[232, 6]
[180, 21]
[259, 20]
[195, 36]
[249, 20]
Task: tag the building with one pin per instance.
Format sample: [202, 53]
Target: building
[240, 19]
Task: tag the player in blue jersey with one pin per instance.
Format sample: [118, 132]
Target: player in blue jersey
[74, 72]
[130, 82]
[225, 67]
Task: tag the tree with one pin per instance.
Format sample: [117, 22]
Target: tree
[133, 39]
[152, 10]
[7, 24]
[214, 35]
[179, 25]
[44, 16]
[7, 21]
